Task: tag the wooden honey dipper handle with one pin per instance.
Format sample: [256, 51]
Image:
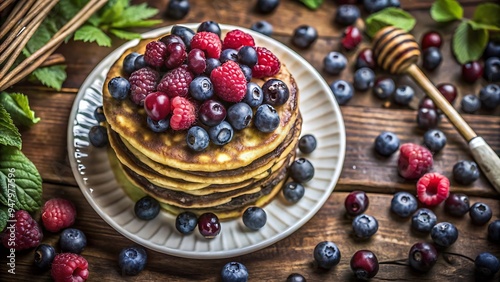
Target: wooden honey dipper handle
[397, 52]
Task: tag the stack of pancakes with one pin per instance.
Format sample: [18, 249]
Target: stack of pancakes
[249, 170]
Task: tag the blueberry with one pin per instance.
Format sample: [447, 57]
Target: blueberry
[276, 92]
[254, 218]
[295, 277]
[212, 63]
[490, 96]
[384, 87]
[234, 272]
[334, 62]
[373, 6]
[364, 78]
[186, 222]
[342, 90]
[364, 226]
[221, 134]
[457, 204]
[386, 143]
[304, 36]
[293, 192]
[247, 56]
[129, 62]
[139, 62]
[444, 234]
[267, 6]
[239, 115]
[247, 72]
[465, 172]
[470, 103]
[394, 3]
[302, 170]
[435, 140]
[158, 126]
[197, 138]
[266, 118]
[44, 255]
[210, 26]
[72, 240]
[132, 260]
[177, 9]
[492, 50]
[119, 87]
[99, 114]
[494, 231]
[423, 220]
[486, 265]
[480, 213]
[347, 14]
[254, 95]
[491, 70]
[403, 95]
[432, 58]
[263, 27]
[327, 254]
[404, 204]
[307, 143]
[185, 33]
[228, 55]
[147, 208]
[98, 136]
[201, 88]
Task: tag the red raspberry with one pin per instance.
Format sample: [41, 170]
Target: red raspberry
[142, 82]
[57, 214]
[267, 65]
[433, 188]
[69, 267]
[209, 42]
[176, 82]
[414, 161]
[229, 82]
[236, 39]
[22, 234]
[155, 54]
[183, 113]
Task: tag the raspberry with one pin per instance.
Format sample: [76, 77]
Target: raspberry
[142, 82]
[237, 38]
[69, 267]
[433, 188]
[414, 161]
[57, 214]
[176, 82]
[183, 113]
[155, 54]
[267, 65]
[229, 82]
[209, 42]
[23, 234]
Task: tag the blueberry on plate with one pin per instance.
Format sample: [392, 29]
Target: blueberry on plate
[72, 240]
[147, 208]
[347, 14]
[486, 265]
[119, 87]
[247, 72]
[263, 27]
[139, 62]
[210, 26]
[364, 78]
[254, 95]
[266, 118]
[302, 170]
[342, 90]
[494, 231]
[129, 63]
[386, 143]
[132, 260]
[327, 254]
[185, 33]
[444, 234]
[201, 88]
[307, 143]
[211, 63]
[334, 62]
[239, 115]
[228, 55]
[304, 36]
[404, 204]
[293, 192]
[490, 96]
[234, 272]
[435, 140]
[470, 103]
[186, 222]
[177, 9]
[221, 134]
[254, 218]
[197, 138]
[158, 126]
[403, 95]
[99, 114]
[480, 213]
[465, 172]
[276, 92]
[364, 226]
[423, 220]
[247, 56]
[44, 255]
[98, 136]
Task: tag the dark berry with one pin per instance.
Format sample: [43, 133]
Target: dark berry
[404, 204]
[276, 92]
[157, 105]
[351, 38]
[364, 226]
[490, 96]
[423, 220]
[364, 264]
[384, 87]
[263, 27]
[98, 136]
[465, 172]
[492, 50]
[356, 203]
[480, 213]
[435, 140]
[228, 55]
[386, 143]
[186, 222]
[365, 59]
[403, 95]
[139, 62]
[172, 38]
[99, 114]
[196, 61]
[247, 56]
[201, 88]
[364, 78]
[342, 90]
[254, 218]
[427, 118]
[44, 255]
[302, 170]
[212, 63]
[444, 234]
[209, 225]
[72, 240]
[295, 277]
[470, 103]
[373, 6]
[155, 54]
[119, 88]
[334, 63]
[457, 204]
[304, 36]
[221, 133]
[254, 95]
[491, 71]
[347, 14]
[293, 192]
[486, 265]
[211, 113]
[234, 272]
[177, 9]
[267, 6]
[307, 143]
[449, 91]
[494, 231]
[210, 26]
[247, 72]
[147, 208]
[132, 260]
[185, 33]
[158, 126]
[239, 115]
[266, 118]
[431, 58]
[129, 62]
[394, 3]
[427, 103]
[327, 254]
[197, 138]
[431, 39]
[471, 71]
[422, 256]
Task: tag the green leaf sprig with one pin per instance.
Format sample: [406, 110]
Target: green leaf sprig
[389, 16]
[312, 4]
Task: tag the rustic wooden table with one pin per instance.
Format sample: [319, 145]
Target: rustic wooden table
[365, 117]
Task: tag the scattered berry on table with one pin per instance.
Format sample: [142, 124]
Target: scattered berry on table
[221, 133]
[307, 143]
[444, 234]
[237, 38]
[394, 3]
[276, 92]
[132, 260]
[494, 231]
[177, 9]
[72, 240]
[372, 6]
[99, 114]
[186, 222]
[364, 226]
[472, 71]
[247, 56]
[212, 112]
[201, 88]
[364, 264]
[465, 172]
[491, 71]
[267, 6]
[486, 265]
[176, 55]
[58, 213]
[254, 218]
[142, 82]
[229, 55]
[268, 64]
[423, 220]
[239, 115]
[347, 14]
[266, 118]
[304, 36]
[69, 267]
[356, 203]
[293, 192]
[431, 58]
[403, 204]
[326, 254]
[157, 105]
[364, 78]
[448, 90]
[365, 59]
[422, 256]
[435, 140]
[158, 126]
[433, 188]
[147, 208]
[492, 50]
[403, 95]
[431, 39]
[384, 87]
[176, 82]
[207, 41]
[334, 62]
[427, 103]
[295, 277]
[44, 255]
[183, 113]
[351, 38]
[263, 27]
[129, 62]
[139, 62]
[254, 95]
[119, 88]
[470, 103]
[414, 161]
[457, 204]
[342, 90]
[197, 138]
[302, 170]
[490, 96]
[185, 33]
[210, 26]
[386, 143]
[427, 118]
[209, 225]
[229, 82]
[155, 54]
[212, 63]
[98, 136]
[234, 272]
[480, 213]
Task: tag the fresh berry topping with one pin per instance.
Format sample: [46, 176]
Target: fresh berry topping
[201, 88]
[129, 63]
[234, 272]
[212, 113]
[403, 95]
[347, 14]
[386, 143]
[427, 118]
[99, 114]
[491, 71]
[239, 115]
[155, 53]
[23, 234]
[221, 133]
[423, 220]
[254, 218]
[457, 204]
[186, 222]
[304, 36]
[356, 203]
[276, 92]
[422, 256]
[197, 138]
[494, 231]
[364, 264]
[58, 213]
[210, 26]
[175, 56]
[365, 59]
[414, 161]
[132, 260]
[263, 27]
[142, 82]
[307, 143]
[267, 6]
[490, 96]
[472, 71]
[158, 126]
[247, 72]
[351, 38]
[295, 277]
[403, 204]
[470, 104]
[212, 63]
[327, 254]
[229, 82]
[196, 61]
[266, 118]
[209, 42]
[433, 188]
[364, 226]
[185, 33]
[254, 95]
[139, 62]
[157, 105]
[119, 88]
[237, 38]
[177, 9]
[98, 136]
[44, 255]
[465, 172]
[72, 240]
[342, 90]
[267, 65]
[444, 234]
[302, 170]
[431, 39]
[448, 90]
[364, 78]
[172, 38]
[228, 55]
[147, 208]
[293, 192]
[384, 87]
[435, 140]
[176, 82]
[247, 56]
[334, 63]
[480, 213]
[432, 58]
[69, 267]
[486, 265]
[209, 225]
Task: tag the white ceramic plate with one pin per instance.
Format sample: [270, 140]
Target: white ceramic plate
[322, 117]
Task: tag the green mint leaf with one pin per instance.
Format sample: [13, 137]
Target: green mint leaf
[4, 216]
[468, 44]
[389, 16]
[88, 33]
[94, 20]
[52, 76]
[446, 11]
[125, 34]
[476, 25]
[140, 23]
[24, 184]
[113, 12]
[312, 4]
[137, 13]
[487, 13]
[17, 105]
[41, 36]
[9, 135]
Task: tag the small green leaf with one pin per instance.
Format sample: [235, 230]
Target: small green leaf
[140, 12]
[446, 11]
[88, 33]
[312, 4]
[476, 25]
[125, 34]
[468, 44]
[140, 23]
[113, 13]
[9, 135]
[17, 105]
[52, 76]
[94, 20]
[389, 16]
[4, 216]
[487, 13]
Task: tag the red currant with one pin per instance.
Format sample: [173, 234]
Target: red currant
[472, 71]
[365, 59]
[209, 225]
[211, 113]
[356, 203]
[431, 39]
[449, 91]
[352, 38]
[364, 264]
[157, 105]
